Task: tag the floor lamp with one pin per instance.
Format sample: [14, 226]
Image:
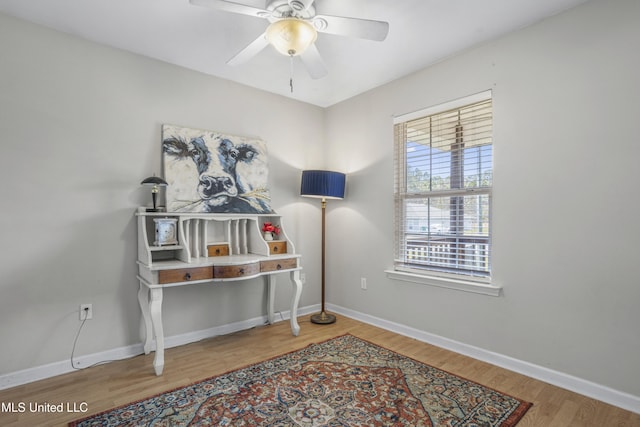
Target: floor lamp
[325, 185]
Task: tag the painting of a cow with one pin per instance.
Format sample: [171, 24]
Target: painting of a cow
[211, 172]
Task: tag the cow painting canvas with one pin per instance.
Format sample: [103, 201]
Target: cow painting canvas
[214, 173]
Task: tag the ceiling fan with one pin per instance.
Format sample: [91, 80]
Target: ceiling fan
[293, 29]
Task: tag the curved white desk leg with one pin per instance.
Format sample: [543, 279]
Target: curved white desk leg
[295, 299]
[155, 307]
[271, 297]
[143, 299]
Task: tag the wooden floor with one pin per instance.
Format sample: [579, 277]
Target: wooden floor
[106, 386]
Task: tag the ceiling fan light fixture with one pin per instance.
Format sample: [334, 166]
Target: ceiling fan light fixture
[291, 36]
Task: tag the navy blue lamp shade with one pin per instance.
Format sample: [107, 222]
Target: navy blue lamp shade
[320, 183]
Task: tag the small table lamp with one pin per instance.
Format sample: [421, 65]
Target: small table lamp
[155, 183]
[325, 185]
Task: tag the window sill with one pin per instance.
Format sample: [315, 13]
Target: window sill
[444, 282]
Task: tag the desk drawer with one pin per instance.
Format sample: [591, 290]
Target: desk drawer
[278, 264]
[218, 250]
[184, 275]
[230, 271]
[276, 248]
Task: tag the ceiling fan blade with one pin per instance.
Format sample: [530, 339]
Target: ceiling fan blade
[228, 6]
[313, 62]
[250, 51]
[354, 27]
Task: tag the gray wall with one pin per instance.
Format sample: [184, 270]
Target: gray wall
[566, 203]
[79, 129]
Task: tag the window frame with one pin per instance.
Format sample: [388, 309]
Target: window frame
[432, 275]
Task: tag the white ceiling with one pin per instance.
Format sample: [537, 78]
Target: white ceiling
[421, 32]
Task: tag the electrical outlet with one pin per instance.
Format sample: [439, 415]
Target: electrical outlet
[363, 283]
[86, 311]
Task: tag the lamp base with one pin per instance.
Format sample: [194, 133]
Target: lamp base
[323, 318]
[159, 209]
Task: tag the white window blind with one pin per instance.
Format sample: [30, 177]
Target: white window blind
[443, 180]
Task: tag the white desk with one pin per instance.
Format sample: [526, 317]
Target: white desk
[211, 248]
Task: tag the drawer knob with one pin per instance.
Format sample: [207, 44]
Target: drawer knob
[241, 271]
[218, 251]
[275, 249]
[278, 267]
[187, 276]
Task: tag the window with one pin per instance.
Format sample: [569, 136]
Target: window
[443, 179]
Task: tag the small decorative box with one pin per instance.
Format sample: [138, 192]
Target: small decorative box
[166, 231]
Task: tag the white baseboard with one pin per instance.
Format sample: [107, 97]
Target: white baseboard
[37, 373]
[605, 394]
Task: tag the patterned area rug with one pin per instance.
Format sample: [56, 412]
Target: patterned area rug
[344, 381]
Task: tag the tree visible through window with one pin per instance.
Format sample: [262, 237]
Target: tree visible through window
[443, 180]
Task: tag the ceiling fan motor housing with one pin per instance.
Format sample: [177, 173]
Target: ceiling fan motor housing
[297, 5]
[289, 9]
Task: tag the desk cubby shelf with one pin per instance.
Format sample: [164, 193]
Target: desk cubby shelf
[196, 232]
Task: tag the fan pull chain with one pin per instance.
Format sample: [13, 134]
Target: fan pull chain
[291, 74]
